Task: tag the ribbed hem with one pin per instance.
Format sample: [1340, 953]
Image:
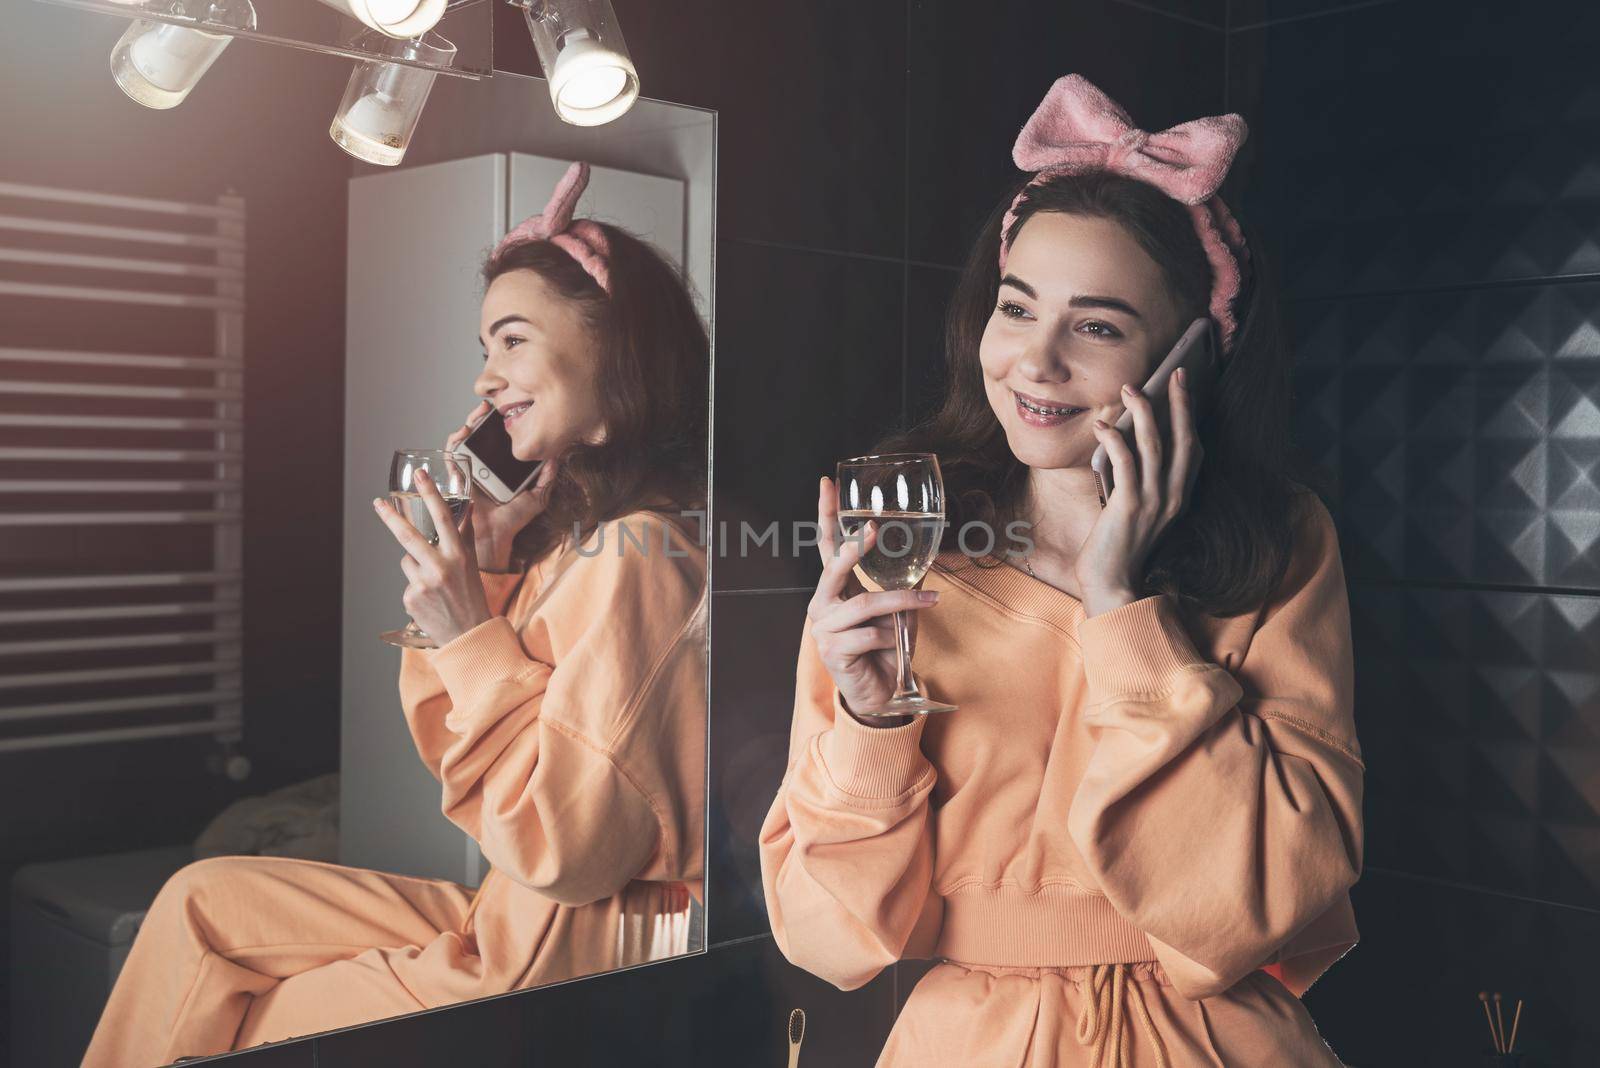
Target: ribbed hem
[880, 763]
[1135, 649]
[1055, 927]
[472, 663]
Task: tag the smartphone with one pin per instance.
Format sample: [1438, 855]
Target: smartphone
[488, 451]
[1196, 352]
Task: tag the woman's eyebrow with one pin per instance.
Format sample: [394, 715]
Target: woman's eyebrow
[1110, 303]
[1105, 302]
[503, 321]
[1016, 283]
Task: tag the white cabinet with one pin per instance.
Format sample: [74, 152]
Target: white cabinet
[417, 238]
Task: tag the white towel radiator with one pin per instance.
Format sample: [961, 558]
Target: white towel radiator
[121, 472]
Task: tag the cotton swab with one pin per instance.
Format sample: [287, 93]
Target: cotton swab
[1483, 996]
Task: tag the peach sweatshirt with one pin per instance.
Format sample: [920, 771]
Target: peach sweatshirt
[1136, 786]
[572, 748]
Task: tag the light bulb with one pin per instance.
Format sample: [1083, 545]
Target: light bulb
[373, 129]
[582, 54]
[158, 63]
[590, 89]
[383, 101]
[400, 19]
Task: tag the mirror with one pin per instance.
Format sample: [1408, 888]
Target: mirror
[352, 28]
[211, 352]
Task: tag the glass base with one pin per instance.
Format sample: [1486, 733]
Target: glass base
[409, 637]
[913, 705]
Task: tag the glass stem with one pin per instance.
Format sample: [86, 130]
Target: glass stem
[905, 686]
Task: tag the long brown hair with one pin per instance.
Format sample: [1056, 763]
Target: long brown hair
[654, 376]
[1230, 546]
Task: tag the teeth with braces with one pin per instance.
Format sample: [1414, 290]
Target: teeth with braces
[1047, 411]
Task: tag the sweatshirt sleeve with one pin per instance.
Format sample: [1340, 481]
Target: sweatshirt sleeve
[422, 692]
[527, 751]
[1221, 810]
[847, 846]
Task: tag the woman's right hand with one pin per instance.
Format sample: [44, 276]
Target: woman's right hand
[497, 525]
[852, 626]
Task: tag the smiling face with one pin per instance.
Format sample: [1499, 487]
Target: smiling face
[539, 368]
[1082, 309]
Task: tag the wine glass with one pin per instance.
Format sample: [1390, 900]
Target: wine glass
[904, 494]
[449, 472]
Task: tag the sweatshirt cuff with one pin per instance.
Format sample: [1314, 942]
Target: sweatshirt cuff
[471, 664]
[875, 762]
[1137, 648]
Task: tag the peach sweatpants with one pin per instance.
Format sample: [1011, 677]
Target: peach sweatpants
[1057, 1018]
[236, 951]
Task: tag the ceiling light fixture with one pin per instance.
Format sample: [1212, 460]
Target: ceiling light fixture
[158, 63]
[383, 101]
[580, 46]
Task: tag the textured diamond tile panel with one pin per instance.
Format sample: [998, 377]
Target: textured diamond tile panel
[1463, 428]
[1428, 180]
[1479, 717]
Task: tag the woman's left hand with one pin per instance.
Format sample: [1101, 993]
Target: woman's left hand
[1147, 494]
[444, 595]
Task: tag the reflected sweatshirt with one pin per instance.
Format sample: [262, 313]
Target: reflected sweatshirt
[568, 732]
[1135, 786]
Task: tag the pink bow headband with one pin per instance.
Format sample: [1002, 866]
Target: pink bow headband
[1077, 128]
[583, 240]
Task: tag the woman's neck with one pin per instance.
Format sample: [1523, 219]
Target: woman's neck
[1062, 505]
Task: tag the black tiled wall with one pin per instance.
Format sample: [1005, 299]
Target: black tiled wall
[1425, 174]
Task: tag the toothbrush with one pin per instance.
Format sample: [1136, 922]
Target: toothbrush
[797, 1032]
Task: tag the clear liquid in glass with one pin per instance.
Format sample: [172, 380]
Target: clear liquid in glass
[415, 509]
[906, 545]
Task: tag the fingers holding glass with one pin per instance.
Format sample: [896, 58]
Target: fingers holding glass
[429, 492]
[898, 501]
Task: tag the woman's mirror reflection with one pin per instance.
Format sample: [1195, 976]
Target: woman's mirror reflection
[563, 711]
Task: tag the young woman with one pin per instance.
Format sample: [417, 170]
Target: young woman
[564, 712]
[1132, 842]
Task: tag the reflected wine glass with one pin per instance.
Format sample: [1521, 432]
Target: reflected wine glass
[449, 472]
[904, 494]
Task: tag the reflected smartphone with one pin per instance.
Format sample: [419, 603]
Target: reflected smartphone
[488, 449]
[1195, 351]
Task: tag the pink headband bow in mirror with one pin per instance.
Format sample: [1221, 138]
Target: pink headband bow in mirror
[1077, 128]
[583, 240]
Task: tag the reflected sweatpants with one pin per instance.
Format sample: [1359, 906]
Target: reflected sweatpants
[236, 951]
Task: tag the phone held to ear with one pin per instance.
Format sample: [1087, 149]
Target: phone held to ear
[488, 452]
[1196, 352]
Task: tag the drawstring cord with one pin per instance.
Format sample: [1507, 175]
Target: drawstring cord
[1103, 1023]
